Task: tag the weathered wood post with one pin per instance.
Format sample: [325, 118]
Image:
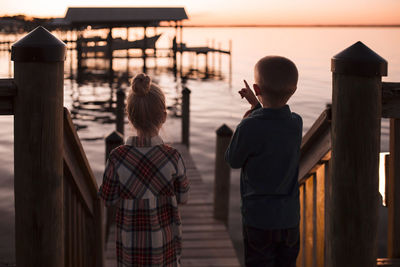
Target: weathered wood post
[144, 49]
[174, 56]
[110, 56]
[219, 61]
[393, 193]
[120, 112]
[206, 67]
[356, 114]
[222, 178]
[113, 140]
[79, 53]
[180, 49]
[185, 116]
[79, 59]
[38, 149]
[213, 57]
[230, 63]
[155, 50]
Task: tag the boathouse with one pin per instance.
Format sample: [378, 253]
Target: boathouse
[82, 18]
[111, 17]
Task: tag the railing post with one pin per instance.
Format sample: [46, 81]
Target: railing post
[113, 140]
[38, 149]
[110, 56]
[356, 114]
[120, 116]
[222, 178]
[185, 116]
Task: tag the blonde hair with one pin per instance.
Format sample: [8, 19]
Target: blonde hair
[277, 77]
[146, 105]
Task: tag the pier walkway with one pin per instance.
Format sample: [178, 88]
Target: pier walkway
[206, 241]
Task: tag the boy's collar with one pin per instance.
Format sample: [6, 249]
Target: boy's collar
[137, 141]
[273, 113]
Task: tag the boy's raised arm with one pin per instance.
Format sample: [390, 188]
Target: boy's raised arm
[249, 95]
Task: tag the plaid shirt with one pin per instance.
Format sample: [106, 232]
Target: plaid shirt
[146, 180]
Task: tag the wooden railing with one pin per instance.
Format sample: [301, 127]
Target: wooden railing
[391, 109]
[313, 178]
[58, 217]
[315, 186]
[83, 229]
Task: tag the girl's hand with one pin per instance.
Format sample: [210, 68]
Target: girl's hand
[247, 93]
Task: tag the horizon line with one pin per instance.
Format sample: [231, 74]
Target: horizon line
[290, 25]
[230, 25]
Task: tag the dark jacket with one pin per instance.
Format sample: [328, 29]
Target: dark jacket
[266, 146]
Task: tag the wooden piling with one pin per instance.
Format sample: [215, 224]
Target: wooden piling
[219, 61]
[113, 140]
[186, 116]
[230, 63]
[175, 51]
[144, 49]
[180, 49]
[356, 112]
[110, 56]
[213, 57]
[222, 175]
[206, 71]
[155, 50]
[393, 187]
[38, 149]
[120, 112]
[79, 53]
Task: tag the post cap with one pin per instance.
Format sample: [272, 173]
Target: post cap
[359, 59]
[38, 46]
[121, 92]
[115, 138]
[186, 90]
[224, 131]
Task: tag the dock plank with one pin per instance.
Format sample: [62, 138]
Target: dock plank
[206, 242]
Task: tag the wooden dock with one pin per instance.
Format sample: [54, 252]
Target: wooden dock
[206, 241]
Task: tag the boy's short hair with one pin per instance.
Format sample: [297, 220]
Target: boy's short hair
[277, 77]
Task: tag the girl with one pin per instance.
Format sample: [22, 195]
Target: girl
[146, 180]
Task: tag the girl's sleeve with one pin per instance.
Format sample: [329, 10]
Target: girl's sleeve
[181, 183]
[109, 190]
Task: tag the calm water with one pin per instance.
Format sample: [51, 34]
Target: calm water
[213, 102]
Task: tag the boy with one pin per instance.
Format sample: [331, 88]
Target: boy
[266, 146]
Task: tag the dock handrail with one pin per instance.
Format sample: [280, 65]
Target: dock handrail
[84, 237]
[315, 155]
[58, 217]
[315, 145]
[320, 200]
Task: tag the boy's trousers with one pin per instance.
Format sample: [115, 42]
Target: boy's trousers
[271, 248]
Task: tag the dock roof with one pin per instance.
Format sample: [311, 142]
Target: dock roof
[123, 16]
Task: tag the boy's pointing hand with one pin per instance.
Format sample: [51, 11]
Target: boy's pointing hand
[247, 93]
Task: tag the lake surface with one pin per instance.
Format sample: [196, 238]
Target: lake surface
[213, 102]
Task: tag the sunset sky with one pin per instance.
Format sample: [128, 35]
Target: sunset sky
[237, 11]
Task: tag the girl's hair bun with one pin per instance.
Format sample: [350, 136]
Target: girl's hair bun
[141, 84]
